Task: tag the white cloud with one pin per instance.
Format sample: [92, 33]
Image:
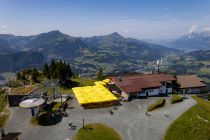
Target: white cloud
[126, 31]
[193, 28]
[207, 29]
[4, 27]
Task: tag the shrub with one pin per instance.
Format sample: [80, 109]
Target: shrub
[174, 92]
[176, 98]
[157, 104]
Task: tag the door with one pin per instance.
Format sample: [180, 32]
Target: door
[147, 93]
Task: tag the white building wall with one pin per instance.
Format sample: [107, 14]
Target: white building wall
[194, 90]
[162, 90]
[154, 92]
[151, 92]
[169, 90]
[142, 94]
[191, 90]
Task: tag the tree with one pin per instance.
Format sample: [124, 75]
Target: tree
[18, 76]
[68, 71]
[53, 69]
[46, 71]
[57, 70]
[100, 74]
[35, 75]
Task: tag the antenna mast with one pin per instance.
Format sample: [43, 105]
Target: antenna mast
[158, 64]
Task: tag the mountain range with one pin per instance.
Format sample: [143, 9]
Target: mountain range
[192, 41]
[113, 52]
[200, 55]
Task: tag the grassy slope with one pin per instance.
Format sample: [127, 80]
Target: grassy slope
[3, 117]
[86, 82]
[189, 126]
[96, 131]
[205, 62]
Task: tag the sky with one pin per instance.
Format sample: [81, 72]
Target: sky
[141, 19]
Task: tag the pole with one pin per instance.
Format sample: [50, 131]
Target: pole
[83, 123]
[80, 79]
[60, 94]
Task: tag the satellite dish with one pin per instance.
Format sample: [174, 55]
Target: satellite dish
[161, 61]
[32, 103]
[157, 63]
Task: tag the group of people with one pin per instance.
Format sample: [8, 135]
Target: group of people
[166, 115]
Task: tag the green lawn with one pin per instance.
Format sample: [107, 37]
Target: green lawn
[96, 131]
[194, 124]
[45, 120]
[56, 106]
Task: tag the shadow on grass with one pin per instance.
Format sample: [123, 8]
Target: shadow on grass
[48, 119]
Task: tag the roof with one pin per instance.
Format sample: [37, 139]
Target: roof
[100, 83]
[11, 136]
[106, 80]
[190, 81]
[93, 94]
[22, 90]
[136, 83]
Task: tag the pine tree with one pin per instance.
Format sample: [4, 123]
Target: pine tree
[18, 76]
[68, 71]
[100, 74]
[35, 75]
[53, 69]
[59, 70]
[46, 71]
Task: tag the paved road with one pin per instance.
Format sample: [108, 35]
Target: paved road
[129, 121]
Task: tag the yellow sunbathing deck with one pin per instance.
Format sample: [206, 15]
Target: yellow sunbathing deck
[93, 94]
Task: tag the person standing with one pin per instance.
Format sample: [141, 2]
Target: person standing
[166, 114]
[70, 124]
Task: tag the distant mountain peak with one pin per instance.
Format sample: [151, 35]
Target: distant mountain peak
[115, 34]
[54, 32]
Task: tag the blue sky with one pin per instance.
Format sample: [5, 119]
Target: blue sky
[142, 19]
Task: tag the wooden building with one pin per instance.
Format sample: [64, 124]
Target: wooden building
[142, 85]
[190, 84]
[16, 95]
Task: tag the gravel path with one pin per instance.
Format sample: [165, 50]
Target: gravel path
[129, 120]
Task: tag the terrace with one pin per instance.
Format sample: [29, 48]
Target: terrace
[94, 95]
